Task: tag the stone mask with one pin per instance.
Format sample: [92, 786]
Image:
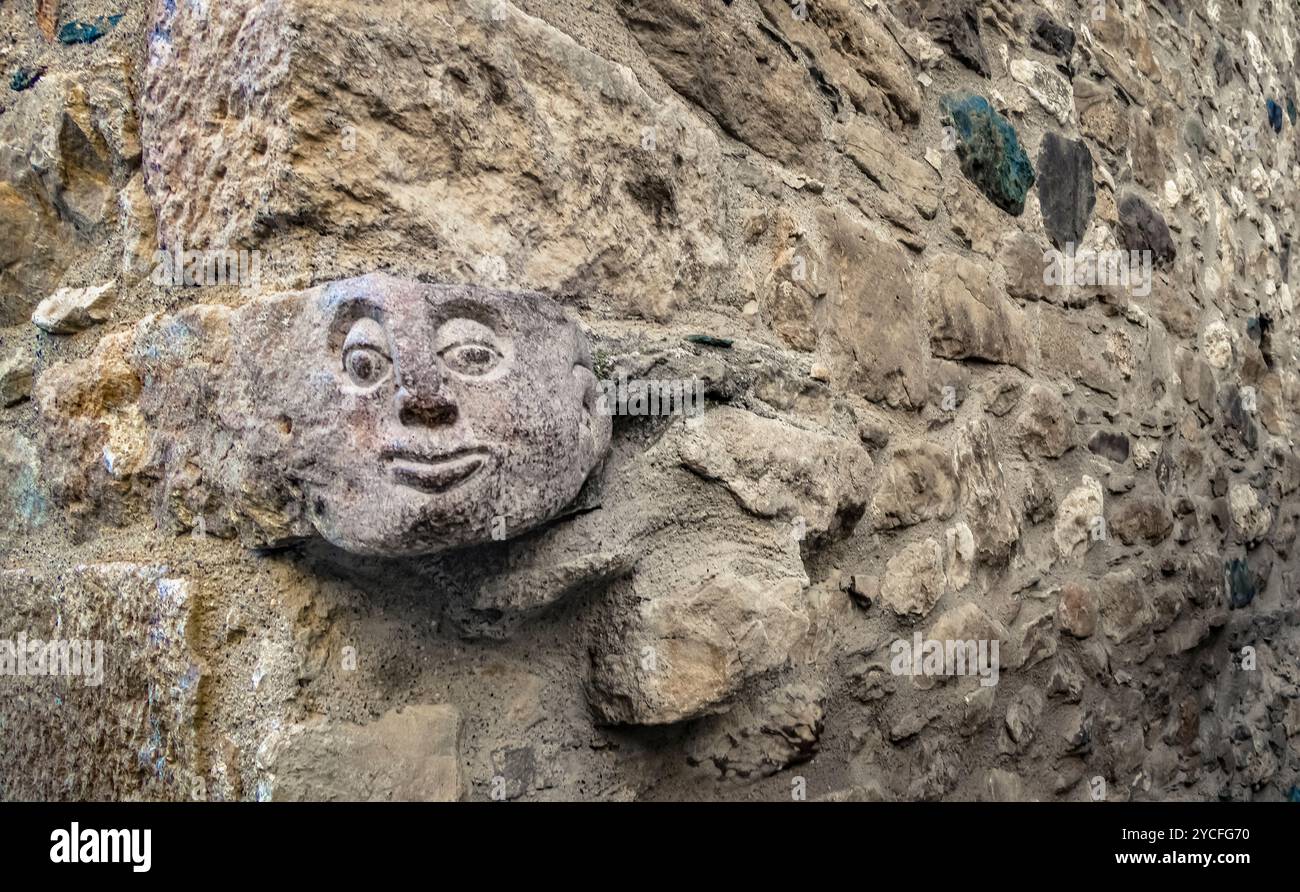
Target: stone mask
[390, 416]
[427, 417]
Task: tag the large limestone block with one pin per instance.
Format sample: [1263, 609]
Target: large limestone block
[106, 707]
[869, 337]
[463, 138]
[778, 470]
[683, 653]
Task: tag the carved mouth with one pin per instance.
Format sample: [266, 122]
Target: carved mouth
[435, 472]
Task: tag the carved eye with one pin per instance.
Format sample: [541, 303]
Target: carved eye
[364, 357]
[366, 366]
[470, 359]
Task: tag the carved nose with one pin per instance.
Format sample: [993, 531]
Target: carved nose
[416, 408]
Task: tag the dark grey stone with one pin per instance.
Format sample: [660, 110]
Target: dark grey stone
[1065, 188]
[1051, 36]
[953, 23]
[1111, 445]
[1143, 228]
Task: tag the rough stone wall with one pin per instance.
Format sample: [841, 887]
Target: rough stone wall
[859, 223]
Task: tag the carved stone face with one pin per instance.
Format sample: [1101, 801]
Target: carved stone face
[424, 417]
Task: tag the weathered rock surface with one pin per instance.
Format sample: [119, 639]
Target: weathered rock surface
[750, 743]
[954, 24]
[1141, 517]
[1051, 36]
[820, 219]
[914, 580]
[66, 145]
[1142, 228]
[725, 63]
[775, 470]
[959, 555]
[917, 485]
[880, 156]
[1079, 520]
[1124, 605]
[984, 496]
[1044, 429]
[1250, 519]
[868, 337]
[491, 103]
[110, 666]
[970, 319]
[15, 378]
[1077, 610]
[684, 653]
[23, 497]
[1048, 88]
[70, 310]
[1029, 268]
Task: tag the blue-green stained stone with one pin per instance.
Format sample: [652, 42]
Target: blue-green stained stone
[88, 32]
[1274, 116]
[25, 79]
[989, 150]
[1241, 583]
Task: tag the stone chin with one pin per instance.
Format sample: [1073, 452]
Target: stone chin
[421, 510]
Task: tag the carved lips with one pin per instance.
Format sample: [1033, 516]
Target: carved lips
[435, 472]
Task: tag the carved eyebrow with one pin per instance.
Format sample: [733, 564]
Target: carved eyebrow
[366, 335]
[347, 310]
[462, 330]
[445, 311]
